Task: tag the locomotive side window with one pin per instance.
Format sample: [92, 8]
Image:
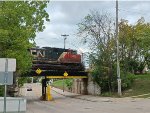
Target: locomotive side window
[74, 52]
[34, 52]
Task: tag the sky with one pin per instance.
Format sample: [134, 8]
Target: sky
[65, 15]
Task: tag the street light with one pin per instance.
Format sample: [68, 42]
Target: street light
[65, 37]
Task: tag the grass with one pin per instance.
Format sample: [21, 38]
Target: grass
[139, 89]
[59, 83]
[140, 86]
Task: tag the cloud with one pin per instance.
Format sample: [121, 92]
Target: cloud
[65, 15]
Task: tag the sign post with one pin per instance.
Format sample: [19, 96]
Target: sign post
[5, 81]
[7, 67]
[65, 75]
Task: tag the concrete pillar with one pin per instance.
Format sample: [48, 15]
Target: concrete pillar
[80, 86]
[84, 86]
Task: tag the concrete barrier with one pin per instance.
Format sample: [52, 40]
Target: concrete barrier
[13, 105]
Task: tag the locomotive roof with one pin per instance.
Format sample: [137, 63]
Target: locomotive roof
[37, 48]
[44, 48]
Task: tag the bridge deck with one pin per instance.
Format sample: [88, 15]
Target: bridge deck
[57, 74]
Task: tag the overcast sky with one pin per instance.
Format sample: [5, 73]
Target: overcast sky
[65, 15]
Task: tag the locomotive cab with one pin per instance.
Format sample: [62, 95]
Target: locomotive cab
[69, 57]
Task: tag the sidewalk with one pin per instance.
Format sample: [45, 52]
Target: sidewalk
[65, 93]
[95, 98]
[92, 98]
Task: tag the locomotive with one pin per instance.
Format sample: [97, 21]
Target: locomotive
[50, 58]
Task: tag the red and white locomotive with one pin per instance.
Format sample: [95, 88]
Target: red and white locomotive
[49, 58]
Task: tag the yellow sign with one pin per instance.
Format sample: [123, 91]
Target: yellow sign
[65, 74]
[38, 71]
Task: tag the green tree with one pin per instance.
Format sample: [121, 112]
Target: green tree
[19, 23]
[69, 83]
[134, 45]
[98, 30]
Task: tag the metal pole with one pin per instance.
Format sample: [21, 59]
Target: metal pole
[45, 88]
[63, 84]
[118, 66]
[65, 37]
[64, 42]
[5, 99]
[5, 82]
[19, 107]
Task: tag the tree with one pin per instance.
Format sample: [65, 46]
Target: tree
[19, 23]
[98, 31]
[134, 45]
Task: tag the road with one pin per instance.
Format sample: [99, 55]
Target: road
[83, 104]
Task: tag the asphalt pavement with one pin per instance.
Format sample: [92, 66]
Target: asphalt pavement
[66, 102]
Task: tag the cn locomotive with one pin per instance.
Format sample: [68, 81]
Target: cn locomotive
[50, 58]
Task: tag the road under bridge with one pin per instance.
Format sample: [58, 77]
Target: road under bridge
[82, 103]
[50, 74]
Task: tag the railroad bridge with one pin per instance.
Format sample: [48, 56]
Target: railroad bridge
[57, 63]
[51, 74]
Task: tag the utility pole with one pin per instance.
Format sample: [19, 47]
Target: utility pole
[65, 37]
[118, 66]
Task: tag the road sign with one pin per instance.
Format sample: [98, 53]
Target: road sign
[65, 74]
[38, 71]
[11, 64]
[6, 79]
[7, 67]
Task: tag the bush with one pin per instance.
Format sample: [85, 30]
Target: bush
[101, 77]
[127, 81]
[108, 82]
[69, 83]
